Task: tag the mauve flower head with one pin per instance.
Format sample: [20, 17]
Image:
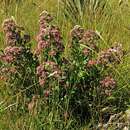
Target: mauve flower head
[53, 68]
[41, 72]
[45, 17]
[7, 58]
[48, 35]
[117, 50]
[108, 82]
[57, 38]
[9, 27]
[113, 54]
[11, 41]
[43, 36]
[55, 32]
[10, 38]
[11, 53]
[43, 40]
[89, 36]
[10, 35]
[77, 32]
[13, 50]
[44, 31]
[42, 45]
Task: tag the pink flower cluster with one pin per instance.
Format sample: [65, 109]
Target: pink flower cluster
[108, 83]
[42, 74]
[11, 53]
[7, 58]
[9, 27]
[50, 41]
[90, 38]
[41, 71]
[43, 37]
[13, 50]
[53, 68]
[77, 32]
[48, 35]
[56, 36]
[87, 38]
[45, 18]
[46, 70]
[113, 54]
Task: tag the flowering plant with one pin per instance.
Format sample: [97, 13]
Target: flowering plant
[82, 78]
